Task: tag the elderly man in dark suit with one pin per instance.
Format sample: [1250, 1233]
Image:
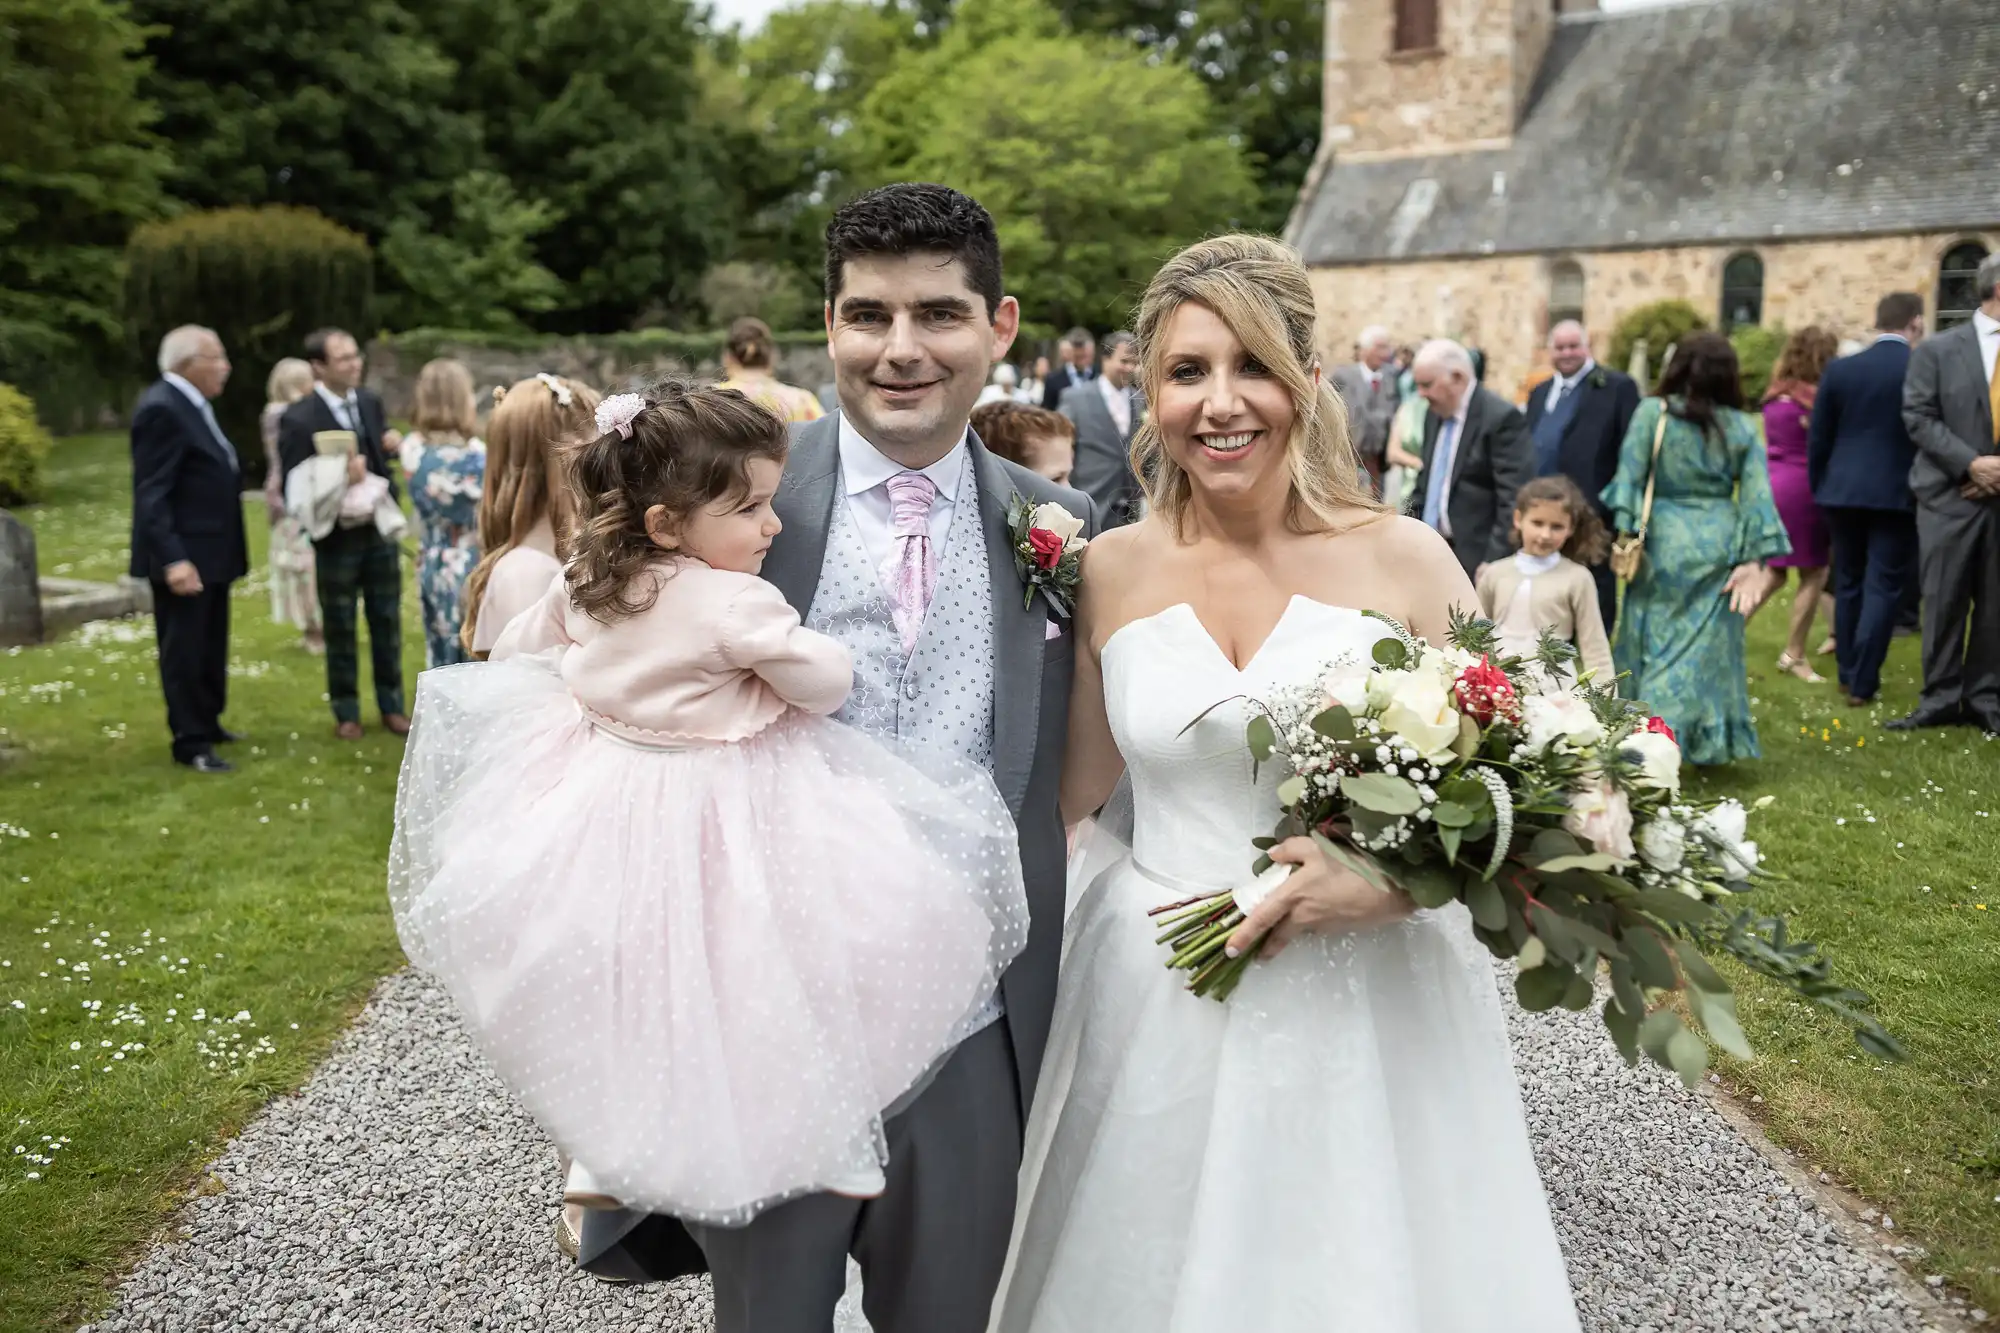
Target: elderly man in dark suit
[1951, 403]
[1106, 411]
[1079, 355]
[352, 563]
[187, 537]
[1476, 456]
[1577, 420]
[1858, 460]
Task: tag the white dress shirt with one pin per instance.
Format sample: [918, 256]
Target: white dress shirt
[1559, 386]
[1118, 402]
[864, 476]
[1988, 329]
[346, 411]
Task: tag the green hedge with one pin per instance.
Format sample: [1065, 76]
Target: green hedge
[24, 447]
[1662, 324]
[262, 278]
[1757, 351]
[421, 345]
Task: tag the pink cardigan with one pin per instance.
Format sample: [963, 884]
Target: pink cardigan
[717, 657]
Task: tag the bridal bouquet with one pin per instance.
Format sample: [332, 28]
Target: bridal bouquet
[1552, 810]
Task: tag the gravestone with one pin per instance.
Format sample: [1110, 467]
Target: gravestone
[20, 593]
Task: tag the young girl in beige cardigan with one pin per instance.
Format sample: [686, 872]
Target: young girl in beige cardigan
[1545, 586]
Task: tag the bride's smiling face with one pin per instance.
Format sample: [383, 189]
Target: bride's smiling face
[1224, 417]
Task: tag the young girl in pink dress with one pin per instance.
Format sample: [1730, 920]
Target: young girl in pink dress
[706, 934]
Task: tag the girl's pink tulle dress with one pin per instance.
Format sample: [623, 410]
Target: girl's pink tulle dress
[704, 932]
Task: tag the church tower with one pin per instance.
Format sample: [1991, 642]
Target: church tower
[1410, 77]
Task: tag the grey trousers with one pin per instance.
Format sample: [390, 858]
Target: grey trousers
[931, 1248]
[1959, 566]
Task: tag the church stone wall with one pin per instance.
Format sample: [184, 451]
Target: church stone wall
[1500, 303]
[1467, 93]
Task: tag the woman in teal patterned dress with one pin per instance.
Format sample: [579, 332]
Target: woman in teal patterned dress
[1714, 524]
[446, 463]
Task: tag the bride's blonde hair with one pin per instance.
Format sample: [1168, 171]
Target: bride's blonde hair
[1258, 287]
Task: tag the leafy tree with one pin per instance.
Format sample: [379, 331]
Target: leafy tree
[1261, 60]
[592, 109]
[1661, 324]
[80, 169]
[1095, 161]
[773, 294]
[341, 108]
[481, 272]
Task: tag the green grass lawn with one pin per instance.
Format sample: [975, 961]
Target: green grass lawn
[174, 949]
[269, 884]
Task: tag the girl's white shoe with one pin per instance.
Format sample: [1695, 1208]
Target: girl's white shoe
[581, 1188]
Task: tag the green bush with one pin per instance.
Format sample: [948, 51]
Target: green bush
[417, 346]
[1757, 351]
[1661, 325]
[24, 447]
[262, 278]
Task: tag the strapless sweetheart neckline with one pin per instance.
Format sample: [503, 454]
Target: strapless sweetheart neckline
[1291, 605]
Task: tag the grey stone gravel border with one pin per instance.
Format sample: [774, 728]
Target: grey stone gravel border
[401, 1189]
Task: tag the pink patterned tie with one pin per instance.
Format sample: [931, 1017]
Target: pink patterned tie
[912, 573]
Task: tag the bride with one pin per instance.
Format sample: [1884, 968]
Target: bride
[1340, 1147]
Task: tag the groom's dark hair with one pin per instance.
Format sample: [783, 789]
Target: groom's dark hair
[916, 219]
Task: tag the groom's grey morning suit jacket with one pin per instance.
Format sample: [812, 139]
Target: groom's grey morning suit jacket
[1032, 669]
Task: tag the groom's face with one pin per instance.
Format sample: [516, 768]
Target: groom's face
[912, 345]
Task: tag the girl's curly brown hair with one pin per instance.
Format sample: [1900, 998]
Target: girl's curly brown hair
[1589, 541]
[690, 447]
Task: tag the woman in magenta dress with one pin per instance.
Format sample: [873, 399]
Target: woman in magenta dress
[1787, 414]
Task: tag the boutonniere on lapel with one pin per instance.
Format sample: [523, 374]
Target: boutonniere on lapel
[1597, 380]
[1048, 552]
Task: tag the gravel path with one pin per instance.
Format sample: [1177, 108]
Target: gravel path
[402, 1190]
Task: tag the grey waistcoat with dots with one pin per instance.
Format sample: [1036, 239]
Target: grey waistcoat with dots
[940, 697]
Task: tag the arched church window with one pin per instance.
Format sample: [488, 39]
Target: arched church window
[1416, 25]
[1742, 291]
[1956, 298]
[1565, 291]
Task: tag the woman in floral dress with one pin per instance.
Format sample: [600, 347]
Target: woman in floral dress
[1714, 528]
[294, 593]
[446, 463]
[749, 364]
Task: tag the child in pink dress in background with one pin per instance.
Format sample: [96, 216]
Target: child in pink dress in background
[706, 934]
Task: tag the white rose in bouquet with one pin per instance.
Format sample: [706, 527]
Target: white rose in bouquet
[1419, 709]
[1447, 662]
[1549, 718]
[1659, 759]
[1724, 828]
[1663, 844]
[1600, 815]
[1061, 522]
[1347, 685]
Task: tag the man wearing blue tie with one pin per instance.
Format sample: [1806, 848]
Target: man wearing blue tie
[1477, 454]
[187, 537]
[1577, 418]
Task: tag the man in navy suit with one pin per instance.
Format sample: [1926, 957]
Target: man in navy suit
[1079, 357]
[1577, 419]
[1858, 459]
[187, 537]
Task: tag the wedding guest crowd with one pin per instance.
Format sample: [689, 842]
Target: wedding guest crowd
[1368, 388]
[1476, 457]
[1078, 353]
[1578, 418]
[187, 537]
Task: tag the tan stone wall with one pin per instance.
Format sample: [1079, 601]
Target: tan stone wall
[1469, 91]
[1500, 304]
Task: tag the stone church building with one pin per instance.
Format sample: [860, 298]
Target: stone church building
[1488, 167]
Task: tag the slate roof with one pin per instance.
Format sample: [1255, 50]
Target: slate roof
[1732, 120]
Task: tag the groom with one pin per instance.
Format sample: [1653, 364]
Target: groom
[896, 481]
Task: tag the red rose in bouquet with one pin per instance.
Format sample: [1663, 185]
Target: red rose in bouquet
[1484, 693]
[1658, 726]
[1048, 547]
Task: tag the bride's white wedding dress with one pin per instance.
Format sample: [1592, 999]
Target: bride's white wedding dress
[1339, 1148]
